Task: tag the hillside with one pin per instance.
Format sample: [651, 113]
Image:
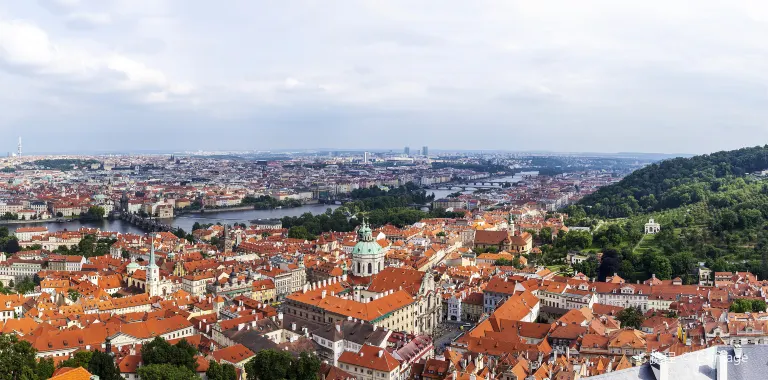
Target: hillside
[673, 183]
[710, 209]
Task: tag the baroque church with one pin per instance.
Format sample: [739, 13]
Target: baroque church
[157, 286]
[399, 299]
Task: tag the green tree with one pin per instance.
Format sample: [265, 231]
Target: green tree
[545, 235]
[79, 359]
[103, 365]
[214, 372]
[94, 213]
[630, 317]
[25, 286]
[218, 371]
[661, 267]
[279, 365]
[166, 372]
[73, 294]
[269, 365]
[306, 367]
[159, 351]
[17, 359]
[300, 232]
[743, 305]
[230, 373]
[45, 368]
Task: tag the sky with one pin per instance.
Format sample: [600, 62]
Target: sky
[562, 75]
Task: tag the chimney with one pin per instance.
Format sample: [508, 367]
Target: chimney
[722, 365]
[738, 352]
[660, 366]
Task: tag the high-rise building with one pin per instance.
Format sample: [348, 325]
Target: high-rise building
[425, 150]
[19, 152]
[365, 158]
[407, 151]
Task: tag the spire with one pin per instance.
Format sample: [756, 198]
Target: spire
[152, 251]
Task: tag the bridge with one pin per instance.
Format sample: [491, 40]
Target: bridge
[147, 224]
[463, 185]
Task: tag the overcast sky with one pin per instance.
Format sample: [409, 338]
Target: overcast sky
[608, 76]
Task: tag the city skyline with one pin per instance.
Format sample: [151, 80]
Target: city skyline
[598, 77]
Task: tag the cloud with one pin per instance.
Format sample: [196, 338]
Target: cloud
[596, 75]
[28, 50]
[87, 20]
[59, 6]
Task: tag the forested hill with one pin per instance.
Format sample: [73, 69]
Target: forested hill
[674, 183]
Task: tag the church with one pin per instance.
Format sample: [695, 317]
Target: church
[402, 299]
[157, 286]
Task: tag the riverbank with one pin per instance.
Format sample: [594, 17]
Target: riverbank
[35, 221]
[243, 208]
[226, 209]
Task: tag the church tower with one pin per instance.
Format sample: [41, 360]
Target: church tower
[153, 271]
[225, 241]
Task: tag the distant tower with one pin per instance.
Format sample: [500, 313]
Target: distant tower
[365, 158]
[225, 241]
[19, 147]
[425, 151]
[407, 151]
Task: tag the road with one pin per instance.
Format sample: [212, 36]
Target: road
[445, 333]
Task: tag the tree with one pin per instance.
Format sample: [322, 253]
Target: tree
[661, 267]
[743, 305]
[218, 371]
[12, 245]
[630, 317]
[79, 359]
[166, 372]
[73, 294]
[278, 365]
[230, 373]
[609, 264]
[25, 286]
[159, 351]
[45, 368]
[306, 367]
[94, 213]
[300, 232]
[17, 359]
[103, 365]
[545, 235]
[269, 365]
[588, 267]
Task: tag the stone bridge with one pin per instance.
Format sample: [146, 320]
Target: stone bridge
[147, 224]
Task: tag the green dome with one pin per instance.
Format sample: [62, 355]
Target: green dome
[366, 248]
[133, 265]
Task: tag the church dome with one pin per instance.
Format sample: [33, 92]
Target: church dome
[133, 266]
[366, 245]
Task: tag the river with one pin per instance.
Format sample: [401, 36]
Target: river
[228, 217]
[184, 221]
